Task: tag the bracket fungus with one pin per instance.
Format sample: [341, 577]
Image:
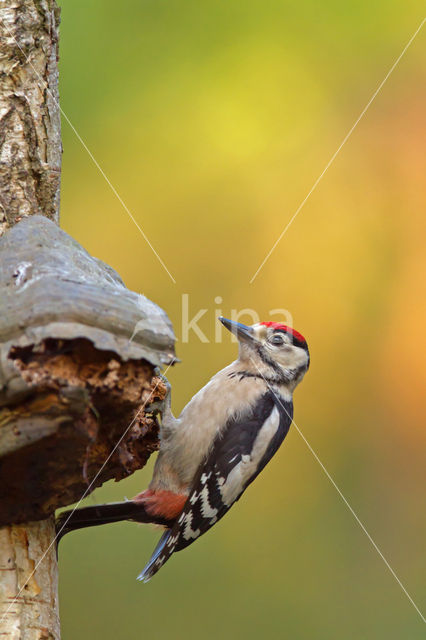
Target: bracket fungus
[78, 358]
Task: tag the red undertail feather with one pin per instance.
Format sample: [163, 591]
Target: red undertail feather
[162, 503]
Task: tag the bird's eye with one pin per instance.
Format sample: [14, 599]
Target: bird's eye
[276, 339]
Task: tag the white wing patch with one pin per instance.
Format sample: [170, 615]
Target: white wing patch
[188, 532]
[206, 510]
[240, 474]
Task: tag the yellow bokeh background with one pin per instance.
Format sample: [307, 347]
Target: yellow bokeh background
[213, 120]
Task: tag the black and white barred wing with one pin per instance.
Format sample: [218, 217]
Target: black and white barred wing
[237, 456]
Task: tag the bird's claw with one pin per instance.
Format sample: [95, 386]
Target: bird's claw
[158, 405]
[166, 384]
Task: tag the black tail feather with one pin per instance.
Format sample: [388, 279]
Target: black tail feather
[155, 563]
[104, 514]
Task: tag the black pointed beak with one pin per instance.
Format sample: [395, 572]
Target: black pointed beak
[242, 331]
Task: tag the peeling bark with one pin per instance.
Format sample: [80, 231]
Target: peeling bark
[30, 133]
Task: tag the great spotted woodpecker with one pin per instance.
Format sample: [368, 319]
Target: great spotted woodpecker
[222, 440]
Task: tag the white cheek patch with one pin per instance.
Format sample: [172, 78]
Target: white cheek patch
[292, 359]
[237, 478]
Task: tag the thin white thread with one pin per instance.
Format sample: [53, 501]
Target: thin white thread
[330, 162]
[359, 522]
[45, 86]
[117, 195]
[342, 496]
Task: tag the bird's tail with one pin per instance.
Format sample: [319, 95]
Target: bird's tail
[104, 514]
[162, 553]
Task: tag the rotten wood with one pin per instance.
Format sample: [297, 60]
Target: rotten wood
[78, 353]
[85, 424]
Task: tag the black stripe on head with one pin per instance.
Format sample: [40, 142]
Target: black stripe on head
[295, 336]
[279, 377]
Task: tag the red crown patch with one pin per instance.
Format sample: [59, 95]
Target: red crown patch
[278, 326]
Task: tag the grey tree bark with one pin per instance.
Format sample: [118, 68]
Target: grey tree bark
[30, 165]
[30, 129]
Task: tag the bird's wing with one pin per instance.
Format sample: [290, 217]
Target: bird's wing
[238, 455]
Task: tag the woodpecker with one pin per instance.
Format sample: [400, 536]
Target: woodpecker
[222, 440]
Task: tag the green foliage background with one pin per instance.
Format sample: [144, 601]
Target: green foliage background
[213, 119]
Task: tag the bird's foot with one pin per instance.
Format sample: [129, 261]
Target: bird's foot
[159, 406]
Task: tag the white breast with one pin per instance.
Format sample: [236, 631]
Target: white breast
[203, 418]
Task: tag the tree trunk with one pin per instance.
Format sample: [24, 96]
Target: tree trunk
[78, 351]
[30, 164]
[30, 128]
[29, 609]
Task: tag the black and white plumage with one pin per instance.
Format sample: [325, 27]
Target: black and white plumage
[218, 445]
[237, 456]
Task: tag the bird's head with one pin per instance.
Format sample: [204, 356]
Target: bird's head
[272, 350]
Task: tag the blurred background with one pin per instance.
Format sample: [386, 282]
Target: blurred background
[213, 120]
